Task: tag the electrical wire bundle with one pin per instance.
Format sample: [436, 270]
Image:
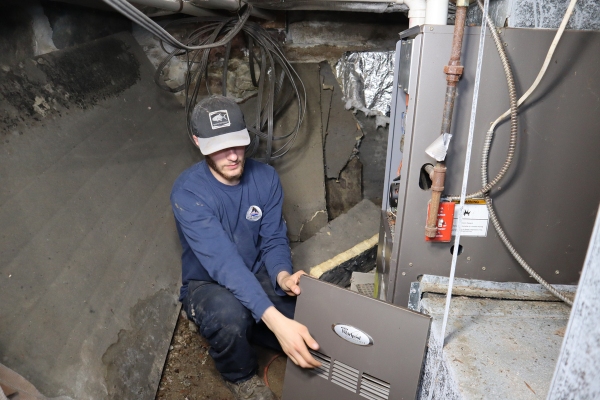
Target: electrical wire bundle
[278, 83]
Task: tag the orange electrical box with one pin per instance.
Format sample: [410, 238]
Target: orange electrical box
[444, 222]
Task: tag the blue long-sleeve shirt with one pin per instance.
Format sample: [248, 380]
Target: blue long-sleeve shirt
[228, 232]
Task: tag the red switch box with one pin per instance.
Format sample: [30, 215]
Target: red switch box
[444, 222]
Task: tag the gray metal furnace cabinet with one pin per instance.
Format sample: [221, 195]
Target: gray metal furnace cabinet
[548, 200]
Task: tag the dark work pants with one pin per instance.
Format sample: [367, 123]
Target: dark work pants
[230, 328]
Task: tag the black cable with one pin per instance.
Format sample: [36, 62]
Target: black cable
[127, 9]
[225, 63]
[278, 83]
[251, 60]
[276, 76]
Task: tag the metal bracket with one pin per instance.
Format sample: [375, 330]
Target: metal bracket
[414, 298]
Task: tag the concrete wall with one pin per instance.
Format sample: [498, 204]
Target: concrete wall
[33, 28]
[577, 374]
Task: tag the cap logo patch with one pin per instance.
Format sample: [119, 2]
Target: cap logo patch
[254, 213]
[219, 119]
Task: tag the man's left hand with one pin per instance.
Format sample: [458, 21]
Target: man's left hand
[289, 283]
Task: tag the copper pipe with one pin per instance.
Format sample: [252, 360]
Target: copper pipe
[438, 177]
[453, 73]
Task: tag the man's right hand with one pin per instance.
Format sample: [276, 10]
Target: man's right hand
[293, 337]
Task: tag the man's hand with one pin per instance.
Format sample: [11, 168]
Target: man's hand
[289, 283]
[293, 337]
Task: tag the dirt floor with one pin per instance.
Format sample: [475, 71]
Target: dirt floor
[190, 373]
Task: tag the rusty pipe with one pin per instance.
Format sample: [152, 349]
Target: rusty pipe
[453, 73]
[438, 177]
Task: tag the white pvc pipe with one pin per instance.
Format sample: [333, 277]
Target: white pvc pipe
[416, 12]
[436, 12]
[229, 5]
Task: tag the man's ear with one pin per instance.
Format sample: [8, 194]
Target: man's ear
[196, 141]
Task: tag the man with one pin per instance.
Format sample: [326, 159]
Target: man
[237, 281]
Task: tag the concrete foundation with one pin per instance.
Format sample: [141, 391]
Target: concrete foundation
[495, 349]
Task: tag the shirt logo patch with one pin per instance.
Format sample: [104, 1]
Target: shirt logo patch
[254, 213]
[219, 119]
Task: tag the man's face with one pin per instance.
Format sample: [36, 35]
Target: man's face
[227, 165]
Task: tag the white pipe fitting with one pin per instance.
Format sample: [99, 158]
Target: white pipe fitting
[416, 12]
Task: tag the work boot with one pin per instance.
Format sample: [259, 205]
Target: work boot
[252, 389]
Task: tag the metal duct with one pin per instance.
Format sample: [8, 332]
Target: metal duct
[201, 8]
[176, 6]
[358, 6]
[197, 8]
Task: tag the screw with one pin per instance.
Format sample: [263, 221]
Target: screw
[483, 268]
[431, 28]
[410, 264]
[505, 44]
[468, 258]
[403, 273]
[557, 272]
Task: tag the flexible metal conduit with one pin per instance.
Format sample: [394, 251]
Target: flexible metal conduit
[512, 95]
[484, 169]
[453, 73]
[490, 133]
[488, 185]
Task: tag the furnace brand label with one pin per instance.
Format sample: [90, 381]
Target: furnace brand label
[476, 218]
[352, 334]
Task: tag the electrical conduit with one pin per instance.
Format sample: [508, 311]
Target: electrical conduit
[484, 163]
[488, 185]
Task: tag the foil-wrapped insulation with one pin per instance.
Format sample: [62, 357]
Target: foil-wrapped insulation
[319, 5]
[367, 80]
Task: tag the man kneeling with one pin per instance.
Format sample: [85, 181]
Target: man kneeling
[237, 281]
